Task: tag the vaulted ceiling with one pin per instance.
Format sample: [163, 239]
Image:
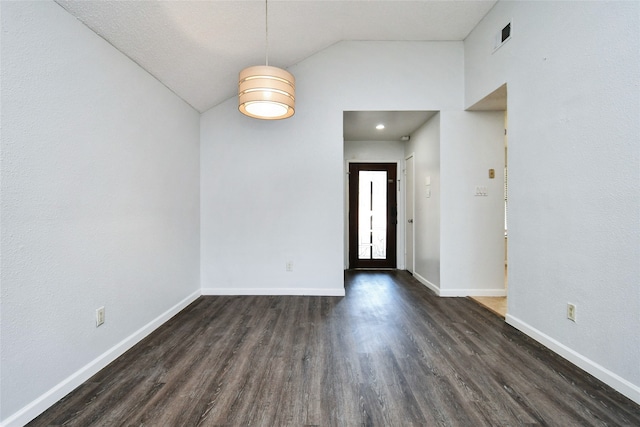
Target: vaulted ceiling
[197, 48]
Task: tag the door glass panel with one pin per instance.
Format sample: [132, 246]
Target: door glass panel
[372, 211]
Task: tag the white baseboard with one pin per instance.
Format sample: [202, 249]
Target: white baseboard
[473, 293]
[427, 283]
[460, 292]
[630, 390]
[275, 291]
[42, 403]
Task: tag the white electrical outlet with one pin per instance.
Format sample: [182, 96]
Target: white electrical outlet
[289, 265]
[571, 312]
[99, 316]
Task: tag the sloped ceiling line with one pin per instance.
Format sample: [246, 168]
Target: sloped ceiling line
[197, 48]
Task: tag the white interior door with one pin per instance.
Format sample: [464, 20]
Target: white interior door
[409, 224]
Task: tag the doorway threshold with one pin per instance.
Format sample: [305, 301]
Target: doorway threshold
[496, 305]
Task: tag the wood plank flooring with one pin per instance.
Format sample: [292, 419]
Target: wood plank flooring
[390, 353]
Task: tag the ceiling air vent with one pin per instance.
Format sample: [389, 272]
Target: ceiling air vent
[503, 36]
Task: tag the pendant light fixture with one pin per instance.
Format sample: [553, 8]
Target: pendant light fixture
[266, 92]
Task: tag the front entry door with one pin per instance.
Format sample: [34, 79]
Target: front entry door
[372, 215]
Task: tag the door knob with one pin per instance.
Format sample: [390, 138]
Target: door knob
[410, 221]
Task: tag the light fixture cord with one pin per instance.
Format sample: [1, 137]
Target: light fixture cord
[266, 30]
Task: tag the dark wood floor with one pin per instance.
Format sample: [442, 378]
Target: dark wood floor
[390, 353]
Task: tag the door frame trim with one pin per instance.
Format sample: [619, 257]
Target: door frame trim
[408, 215]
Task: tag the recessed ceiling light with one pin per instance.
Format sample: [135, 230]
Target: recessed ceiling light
[380, 126]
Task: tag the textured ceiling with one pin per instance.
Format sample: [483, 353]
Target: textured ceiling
[197, 48]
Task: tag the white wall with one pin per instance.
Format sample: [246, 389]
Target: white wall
[425, 147]
[273, 191]
[459, 237]
[99, 205]
[574, 160]
[472, 227]
[381, 152]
